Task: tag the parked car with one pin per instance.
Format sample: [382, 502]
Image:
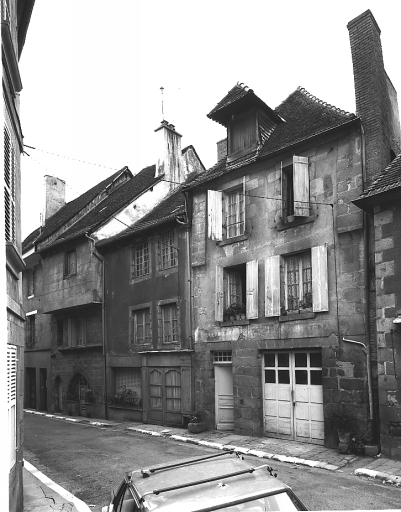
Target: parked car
[223, 481]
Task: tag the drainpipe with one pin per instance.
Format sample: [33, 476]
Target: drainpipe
[97, 255]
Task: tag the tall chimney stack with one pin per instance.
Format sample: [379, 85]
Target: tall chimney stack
[54, 196]
[169, 155]
[376, 98]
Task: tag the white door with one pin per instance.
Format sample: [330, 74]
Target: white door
[224, 397]
[293, 396]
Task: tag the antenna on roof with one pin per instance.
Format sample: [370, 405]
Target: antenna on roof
[162, 89]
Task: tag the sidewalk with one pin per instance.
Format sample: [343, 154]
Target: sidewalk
[386, 470]
[43, 495]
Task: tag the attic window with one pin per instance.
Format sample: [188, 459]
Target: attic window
[242, 134]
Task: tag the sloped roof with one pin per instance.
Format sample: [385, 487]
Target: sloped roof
[30, 240]
[166, 211]
[305, 116]
[385, 183]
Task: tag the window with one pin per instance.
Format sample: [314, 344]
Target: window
[12, 401]
[30, 330]
[169, 323]
[76, 332]
[31, 282]
[222, 357]
[297, 282]
[167, 251]
[128, 387]
[295, 188]
[9, 186]
[140, 257]
[141, 332]
[235, 217]
[70, 264]
[242, 133]
[237, 291]
[59, 332]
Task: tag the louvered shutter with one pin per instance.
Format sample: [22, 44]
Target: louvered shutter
[215, 214]
[320, 289]
[272, 286]
[301, 186]
[11, 400]
[9, 186]
[219, 295]
[252, 289]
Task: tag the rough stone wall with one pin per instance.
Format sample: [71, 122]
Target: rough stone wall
[387, 220]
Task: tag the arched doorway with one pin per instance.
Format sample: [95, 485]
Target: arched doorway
[79, 385]
[58, 395]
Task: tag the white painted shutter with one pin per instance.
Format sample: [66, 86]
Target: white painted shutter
[11, 401]
[215, 214]
[272, 286]
[301, 186]
[320, 289]
[219, 295]
[252, 289]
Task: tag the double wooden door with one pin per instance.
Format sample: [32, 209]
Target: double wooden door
[165, 406]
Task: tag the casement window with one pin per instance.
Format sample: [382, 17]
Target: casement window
[168, 257]
[169, 323]
[9, 186]
[30, 273]
[237, 291]
[140, 330]
[242, 134]
[140, 260]
[295, 188]
[297, 283]
[30, 330]
[226, 213]
[59, 332]
[70, 263]
[12, 402]
[76, 332]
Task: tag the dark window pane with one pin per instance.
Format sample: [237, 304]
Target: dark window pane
[284, 360]
[301, 376]
[269, 360]
[301, 359]
[316, 377]
[283, 376]
[270, 377]
[316, 359]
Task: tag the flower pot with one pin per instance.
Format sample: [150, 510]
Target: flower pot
[344, 440]
[196, 428]
[238, 317]
[290, 218]
[232, 318]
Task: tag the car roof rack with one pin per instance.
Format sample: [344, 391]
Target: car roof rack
[206, 480]
[147, 472]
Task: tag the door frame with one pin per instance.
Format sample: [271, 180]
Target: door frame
[221, 364]
[166, 417]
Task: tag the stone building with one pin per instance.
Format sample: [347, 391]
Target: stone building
[280, 258]
[15, 18]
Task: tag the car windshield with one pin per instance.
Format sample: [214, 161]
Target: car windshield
[280, 501]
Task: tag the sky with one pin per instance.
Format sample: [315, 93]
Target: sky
[92, 72]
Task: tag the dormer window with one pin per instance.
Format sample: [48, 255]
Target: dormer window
[242, 133]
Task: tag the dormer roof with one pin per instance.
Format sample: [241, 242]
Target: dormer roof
[239, 99]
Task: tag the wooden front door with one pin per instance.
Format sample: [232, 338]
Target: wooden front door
[224, 397]
[293, 396]
[165, 406]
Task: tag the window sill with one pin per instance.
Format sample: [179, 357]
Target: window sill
[79, 348]
[233, 240]
[234, 322]
[297, 316]
[299, 221]
[125, 407]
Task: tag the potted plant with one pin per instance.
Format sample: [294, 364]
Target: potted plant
[238, 309]
[89, 399]
[196, 423]
[229, 314]
[345, 426]
[71, 402]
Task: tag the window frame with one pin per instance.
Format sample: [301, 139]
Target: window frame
[67, 272]
[301, 283]
[295, 189]
[30, 282]
[30, 329]
[133, 330]
[239, 150]
[74, 325]
[172, 259]
[172, 306]
[146, 260]
[238, 205]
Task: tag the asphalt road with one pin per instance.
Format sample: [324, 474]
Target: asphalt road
[90, 461]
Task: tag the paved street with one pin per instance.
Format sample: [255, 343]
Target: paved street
[89, 461]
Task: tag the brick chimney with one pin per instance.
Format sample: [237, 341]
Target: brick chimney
[169, 155]
[54, 196]
[376, 98]
[221, 149]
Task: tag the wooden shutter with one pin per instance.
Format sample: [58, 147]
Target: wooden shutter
[301, 186]
[320, 290]
[219, 295]
[252, 289]
[215, 214]
[12, 401]
[272, 286]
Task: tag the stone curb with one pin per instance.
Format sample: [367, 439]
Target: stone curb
[69, 418]
[240, 449]
[378, 475]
